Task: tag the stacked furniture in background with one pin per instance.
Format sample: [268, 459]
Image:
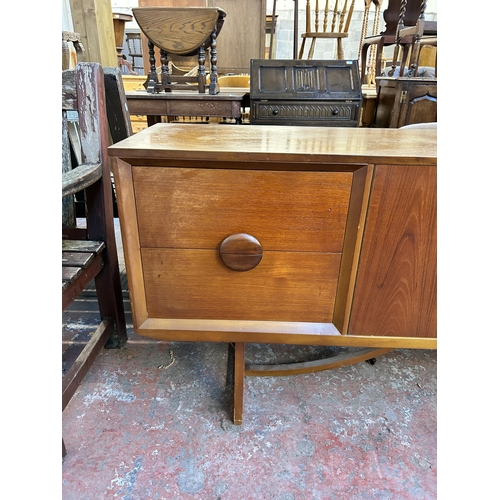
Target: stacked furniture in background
[407, 95]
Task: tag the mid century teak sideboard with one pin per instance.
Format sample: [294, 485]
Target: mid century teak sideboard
[285, 235]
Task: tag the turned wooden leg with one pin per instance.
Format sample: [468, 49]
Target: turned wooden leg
[213, 87]
[150, 83]
[239, 381]
[165, 73]
[340, 49]
[202, 74]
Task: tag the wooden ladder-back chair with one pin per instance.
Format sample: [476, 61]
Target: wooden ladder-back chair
[334, 26]
[89, 253]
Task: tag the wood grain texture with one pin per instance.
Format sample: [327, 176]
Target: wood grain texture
[195, 284]
[302, 211]
[397, 279]
[240, 252]
[226, 105]
[358, 206]
[127, 212]
[239, 382]
[178, 30]
[245, 23]
[298, 147]
[271, 332]
[188, 182]
[245, 20]
[93, 20]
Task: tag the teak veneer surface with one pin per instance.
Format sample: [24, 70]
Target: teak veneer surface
[302, 211]
[293, 144]
[285, 286]
[345, 219]
[396, 286]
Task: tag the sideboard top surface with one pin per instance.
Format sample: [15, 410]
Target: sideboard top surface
[273, 143]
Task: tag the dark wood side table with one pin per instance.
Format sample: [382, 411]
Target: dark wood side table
[154, 106]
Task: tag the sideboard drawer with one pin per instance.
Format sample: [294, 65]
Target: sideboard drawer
[284, 286]
[198, 208]
[338, 113]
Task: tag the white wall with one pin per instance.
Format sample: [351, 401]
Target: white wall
[284, 33]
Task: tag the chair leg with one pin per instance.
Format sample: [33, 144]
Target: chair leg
[378, 60]
[110, 298]
[340, 49]
[311, 48]
[302, 45]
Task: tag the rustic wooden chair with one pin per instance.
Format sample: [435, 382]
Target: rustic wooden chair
[392, 16]
[335, 27]
[89, 253]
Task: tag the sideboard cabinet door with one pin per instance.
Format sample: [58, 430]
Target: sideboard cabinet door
[405, 101]
[395, 293]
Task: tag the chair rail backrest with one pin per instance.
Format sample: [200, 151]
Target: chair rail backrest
[392, 13]
[336, 20]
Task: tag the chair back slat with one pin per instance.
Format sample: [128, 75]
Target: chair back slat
[337, 20]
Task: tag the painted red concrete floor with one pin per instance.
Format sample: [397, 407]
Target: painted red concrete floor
[137, 431]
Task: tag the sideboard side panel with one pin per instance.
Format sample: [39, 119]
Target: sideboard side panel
[396, 286]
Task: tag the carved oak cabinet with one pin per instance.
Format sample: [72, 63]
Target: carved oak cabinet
[288, 235]
[305, 92]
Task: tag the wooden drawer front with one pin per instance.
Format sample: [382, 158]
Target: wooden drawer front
[337, 113]
[285, 286]
[199, 208]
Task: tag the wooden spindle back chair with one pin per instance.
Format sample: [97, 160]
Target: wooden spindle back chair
[329, 23]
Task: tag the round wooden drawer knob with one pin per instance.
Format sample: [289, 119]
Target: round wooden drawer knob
[240, 252]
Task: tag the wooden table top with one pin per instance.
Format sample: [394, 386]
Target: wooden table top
[262, 143]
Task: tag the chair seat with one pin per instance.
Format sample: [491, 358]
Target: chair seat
[315, 34]
[81, 262]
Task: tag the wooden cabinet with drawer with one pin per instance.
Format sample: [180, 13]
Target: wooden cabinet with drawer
[296, 218]
[305, 92]
[285, 235]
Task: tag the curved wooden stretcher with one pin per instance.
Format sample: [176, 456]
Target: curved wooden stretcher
[238, 369]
